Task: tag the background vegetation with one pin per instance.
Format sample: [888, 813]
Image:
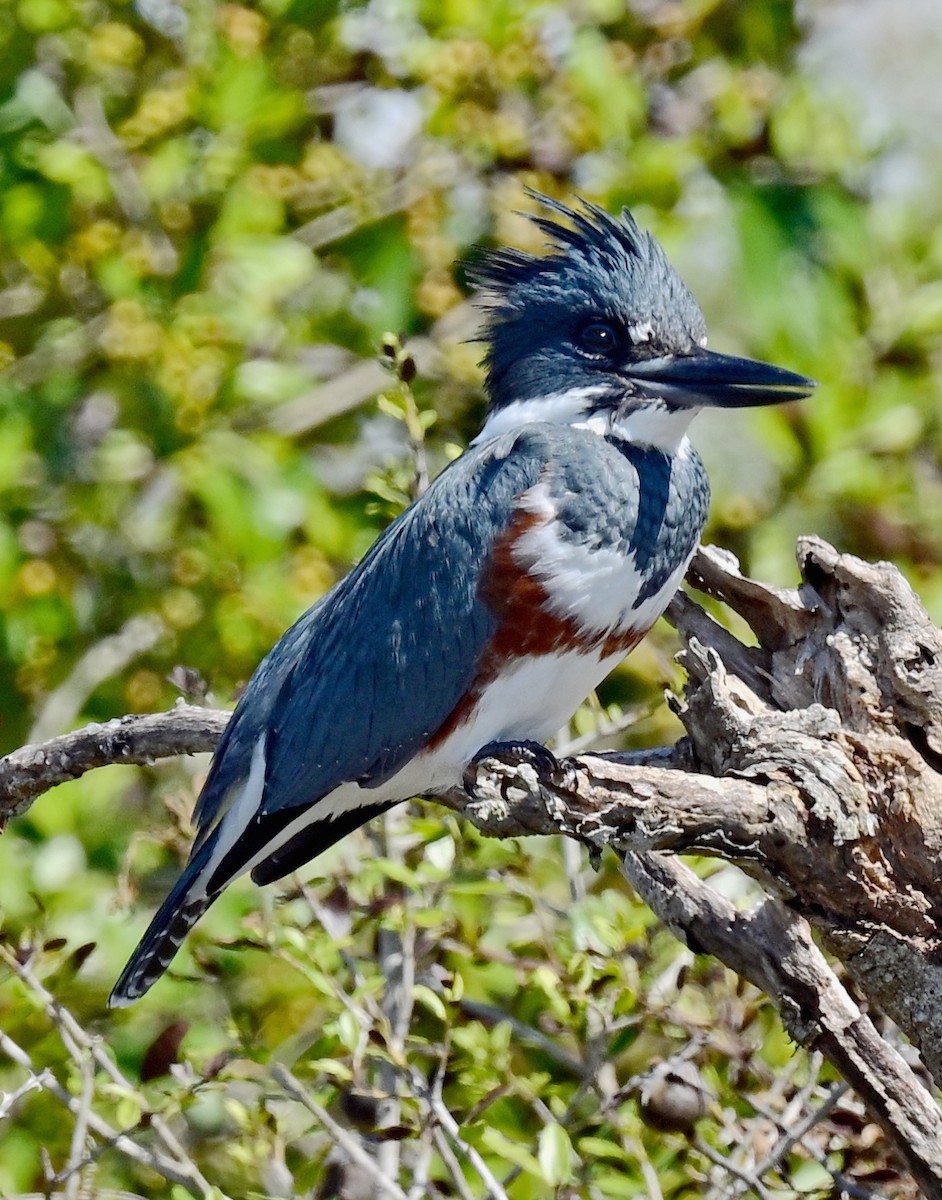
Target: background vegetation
[209, 216]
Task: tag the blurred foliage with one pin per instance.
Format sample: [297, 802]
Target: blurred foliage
[209, 216]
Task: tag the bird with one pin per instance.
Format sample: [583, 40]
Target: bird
[501, 598]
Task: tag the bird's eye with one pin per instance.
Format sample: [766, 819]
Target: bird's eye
[598, 337]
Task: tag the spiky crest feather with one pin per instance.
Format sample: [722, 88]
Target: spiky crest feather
[587, 233]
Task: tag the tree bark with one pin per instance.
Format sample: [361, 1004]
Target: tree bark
[813, 759]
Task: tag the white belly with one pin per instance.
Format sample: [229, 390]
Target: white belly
[532, 702]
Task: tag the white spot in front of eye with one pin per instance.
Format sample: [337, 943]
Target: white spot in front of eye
[702, 341]
[641, 333]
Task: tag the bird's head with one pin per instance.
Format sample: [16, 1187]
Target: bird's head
[603, 332]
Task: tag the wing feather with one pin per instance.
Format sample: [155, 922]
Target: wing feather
[360, 683]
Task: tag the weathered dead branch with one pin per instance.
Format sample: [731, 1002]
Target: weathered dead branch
[813, 759]
[137, 740]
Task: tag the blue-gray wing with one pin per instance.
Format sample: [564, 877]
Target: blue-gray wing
[350, 693]
[366, 676]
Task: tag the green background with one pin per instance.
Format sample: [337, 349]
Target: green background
[209, 217]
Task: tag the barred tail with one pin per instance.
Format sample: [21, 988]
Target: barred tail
[183, 907]
[243, 838]
[218, 857]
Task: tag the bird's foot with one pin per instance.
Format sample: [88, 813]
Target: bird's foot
[535, 754]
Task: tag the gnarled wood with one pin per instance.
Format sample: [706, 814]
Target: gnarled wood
[813, 759]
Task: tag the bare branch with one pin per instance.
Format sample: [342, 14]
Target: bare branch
[46, 1081]
[446, 1122]
[450, 1159]
[750, 1180]
[34, 769]
[80, 1132]
[773, 948]
[83, 1048]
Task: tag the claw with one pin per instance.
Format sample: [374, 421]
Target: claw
[542, 760]
[547, 766]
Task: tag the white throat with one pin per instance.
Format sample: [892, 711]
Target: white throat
[558, 408]
[661, 428]
[655, 425]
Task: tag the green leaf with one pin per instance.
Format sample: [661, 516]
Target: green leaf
[597, 1147]
[428, 999]
[555, 1154]
[511, 1152]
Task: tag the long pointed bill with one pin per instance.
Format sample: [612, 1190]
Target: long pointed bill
[719, 380]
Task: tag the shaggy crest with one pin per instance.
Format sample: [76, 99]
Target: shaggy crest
[589, 234]
[600, 268]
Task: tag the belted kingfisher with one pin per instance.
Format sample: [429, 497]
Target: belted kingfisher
[495, 604]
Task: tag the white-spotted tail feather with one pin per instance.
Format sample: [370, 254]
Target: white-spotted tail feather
[206, 874]
[155, 951]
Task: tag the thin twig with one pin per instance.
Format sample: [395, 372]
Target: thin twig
[342, 1137]
[791, 1137]
[748, 1178]
[450, 1159]
[422, 1165]
[80, 1044]
[423, 1158]
[396, 954]
[80, 1130]
[450, 1126]
[32, 1083]
[651, 1181]
[146, 1157]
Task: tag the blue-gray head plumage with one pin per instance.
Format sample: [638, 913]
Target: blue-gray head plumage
[604, 321]
[601, 269]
